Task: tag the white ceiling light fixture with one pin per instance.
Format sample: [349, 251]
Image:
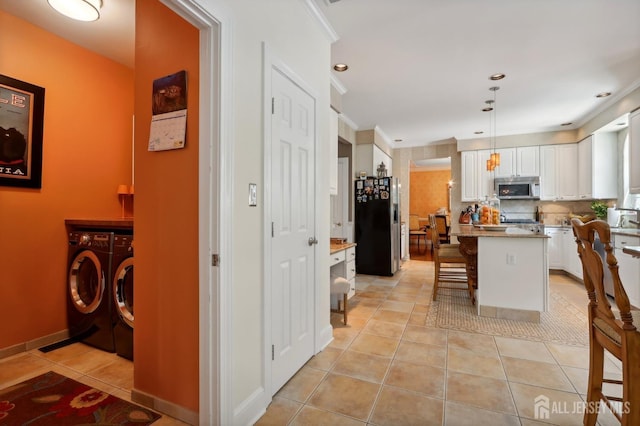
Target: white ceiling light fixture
[80, 10]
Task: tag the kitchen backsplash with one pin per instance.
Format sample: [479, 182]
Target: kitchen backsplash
[553, 212]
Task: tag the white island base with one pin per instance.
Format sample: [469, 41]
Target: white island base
[513, 278]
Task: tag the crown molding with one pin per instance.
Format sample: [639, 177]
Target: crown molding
[331, 34]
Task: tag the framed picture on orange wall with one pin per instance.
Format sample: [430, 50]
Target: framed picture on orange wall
[21, 129]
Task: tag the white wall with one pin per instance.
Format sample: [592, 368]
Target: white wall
[293, 36]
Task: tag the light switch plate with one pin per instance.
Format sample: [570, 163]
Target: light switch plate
[253, 194]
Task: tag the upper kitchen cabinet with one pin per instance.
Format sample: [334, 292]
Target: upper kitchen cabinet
[372, 148]
[476, 181]
[634, 152]
[559, 172]
[528, 161]
[469, 175]
[520, 161]
[333, 152]
[598, 166]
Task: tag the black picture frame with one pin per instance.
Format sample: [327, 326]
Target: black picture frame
[21, 131]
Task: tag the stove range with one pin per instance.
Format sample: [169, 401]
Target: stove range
[528, 224]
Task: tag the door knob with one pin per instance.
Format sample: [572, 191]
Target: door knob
[312, 241]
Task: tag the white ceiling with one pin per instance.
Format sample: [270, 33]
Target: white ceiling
[419, 68]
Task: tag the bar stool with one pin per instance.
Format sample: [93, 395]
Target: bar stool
[340, 285]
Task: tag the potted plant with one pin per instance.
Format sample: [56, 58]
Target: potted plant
[599, 209]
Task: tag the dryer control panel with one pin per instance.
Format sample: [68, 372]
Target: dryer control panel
[91, 239]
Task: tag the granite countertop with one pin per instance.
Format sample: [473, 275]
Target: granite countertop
[631, 232]
[509, 232]
[336, 247]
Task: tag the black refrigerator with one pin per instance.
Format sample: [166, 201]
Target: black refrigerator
[377, 226]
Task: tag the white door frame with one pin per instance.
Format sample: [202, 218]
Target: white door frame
[270, 63]
[215, 166]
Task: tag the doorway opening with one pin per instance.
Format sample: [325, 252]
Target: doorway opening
[429, 193]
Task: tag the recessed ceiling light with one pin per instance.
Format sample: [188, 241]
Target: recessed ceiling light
[478, 132]
[341, 67]
[567, 124]
[621, 124]
[498, 76]
[603, 94]
[397, 140]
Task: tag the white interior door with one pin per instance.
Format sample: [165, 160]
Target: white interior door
[293, 216]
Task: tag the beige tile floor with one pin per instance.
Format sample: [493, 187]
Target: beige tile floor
[387, 368]
[101, 370]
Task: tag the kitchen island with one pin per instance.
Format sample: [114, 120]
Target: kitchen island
[509, 269]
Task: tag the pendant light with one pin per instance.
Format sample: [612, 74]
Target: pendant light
[80, 10]
[494, 158]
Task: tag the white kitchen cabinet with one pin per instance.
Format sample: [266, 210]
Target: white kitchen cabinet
[469, 175]
[572, 262]
[350, 270]
[548, 173]
[559, 172]
[507, 167]
[528, 161]
[333, 152]
[634, 152]
[519, 161]
[477, 182]
[555, 247]
[567, 171]
[486, 187]
[628, 267]
[343, 264]
[369, 157]
[379, 156]
[598, 166]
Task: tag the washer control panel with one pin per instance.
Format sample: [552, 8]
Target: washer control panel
[91, 239]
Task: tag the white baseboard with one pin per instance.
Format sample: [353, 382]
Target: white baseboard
[165, 407]
[326, 337]
[249, 411]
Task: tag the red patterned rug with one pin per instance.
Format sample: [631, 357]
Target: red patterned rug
[55, 400]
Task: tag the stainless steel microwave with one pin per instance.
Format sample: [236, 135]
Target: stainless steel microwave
[518, 188]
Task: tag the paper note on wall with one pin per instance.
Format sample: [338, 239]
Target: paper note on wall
[168, 131]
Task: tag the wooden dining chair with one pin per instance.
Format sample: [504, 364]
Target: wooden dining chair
[449, 264]
[442, 224]
[612, 330]
[415, 230]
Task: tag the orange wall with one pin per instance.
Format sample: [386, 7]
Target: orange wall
[428, 191]
[86, 154]
[166, 224]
